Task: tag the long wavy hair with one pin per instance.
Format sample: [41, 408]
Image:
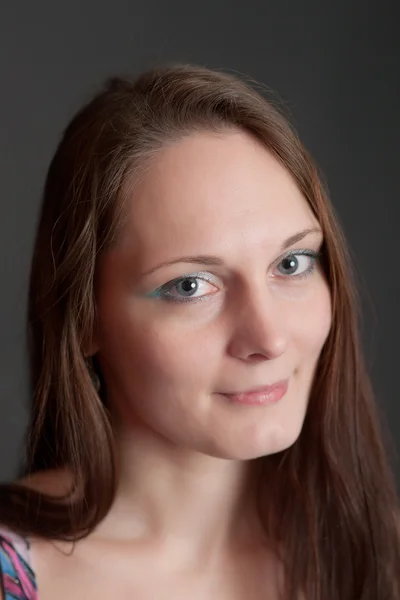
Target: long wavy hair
[333, 514]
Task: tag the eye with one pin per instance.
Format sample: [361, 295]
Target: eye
[298, 264]
[188, 288]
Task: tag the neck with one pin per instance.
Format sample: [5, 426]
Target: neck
[189, 503]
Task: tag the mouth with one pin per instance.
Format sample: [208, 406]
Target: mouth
[260, 396]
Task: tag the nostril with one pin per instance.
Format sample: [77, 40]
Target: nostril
[256, 357]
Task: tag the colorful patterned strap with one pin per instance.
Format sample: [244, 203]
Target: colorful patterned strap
[16, 575]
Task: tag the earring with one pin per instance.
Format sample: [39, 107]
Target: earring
[93, 374]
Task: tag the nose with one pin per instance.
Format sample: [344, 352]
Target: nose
[259, 331]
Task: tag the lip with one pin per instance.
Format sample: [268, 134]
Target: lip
[260, 396]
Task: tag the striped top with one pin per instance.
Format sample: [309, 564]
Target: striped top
[17, 579]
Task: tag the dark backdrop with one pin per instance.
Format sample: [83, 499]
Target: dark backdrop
[336, 66]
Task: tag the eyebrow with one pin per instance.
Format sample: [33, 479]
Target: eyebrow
[215, 261]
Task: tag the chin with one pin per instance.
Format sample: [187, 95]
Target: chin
[247, 455]
[252, 449]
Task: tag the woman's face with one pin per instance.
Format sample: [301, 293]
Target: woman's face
[213, 288]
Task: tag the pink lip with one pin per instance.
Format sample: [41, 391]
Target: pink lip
[261, 396]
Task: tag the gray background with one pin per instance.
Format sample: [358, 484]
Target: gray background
[336, 66]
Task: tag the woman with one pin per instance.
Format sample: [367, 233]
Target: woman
[202, 424]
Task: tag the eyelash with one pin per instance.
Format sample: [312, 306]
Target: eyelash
[162, 291]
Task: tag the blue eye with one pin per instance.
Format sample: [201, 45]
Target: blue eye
[190, 288]
[298, 264]
[187, 287]
[196, 287]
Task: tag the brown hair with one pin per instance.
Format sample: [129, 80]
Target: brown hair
[333, 512]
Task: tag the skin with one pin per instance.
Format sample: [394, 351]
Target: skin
[188, 528]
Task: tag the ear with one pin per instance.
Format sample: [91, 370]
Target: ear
[91, 346]
[91, 350]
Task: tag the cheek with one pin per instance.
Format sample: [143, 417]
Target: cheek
[151, 354]
[164, 354]
[310, 332]
[159, 373]
[318, 320]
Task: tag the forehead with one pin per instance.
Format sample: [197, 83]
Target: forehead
[208, 193]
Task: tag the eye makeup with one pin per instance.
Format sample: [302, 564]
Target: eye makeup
[186, 288]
